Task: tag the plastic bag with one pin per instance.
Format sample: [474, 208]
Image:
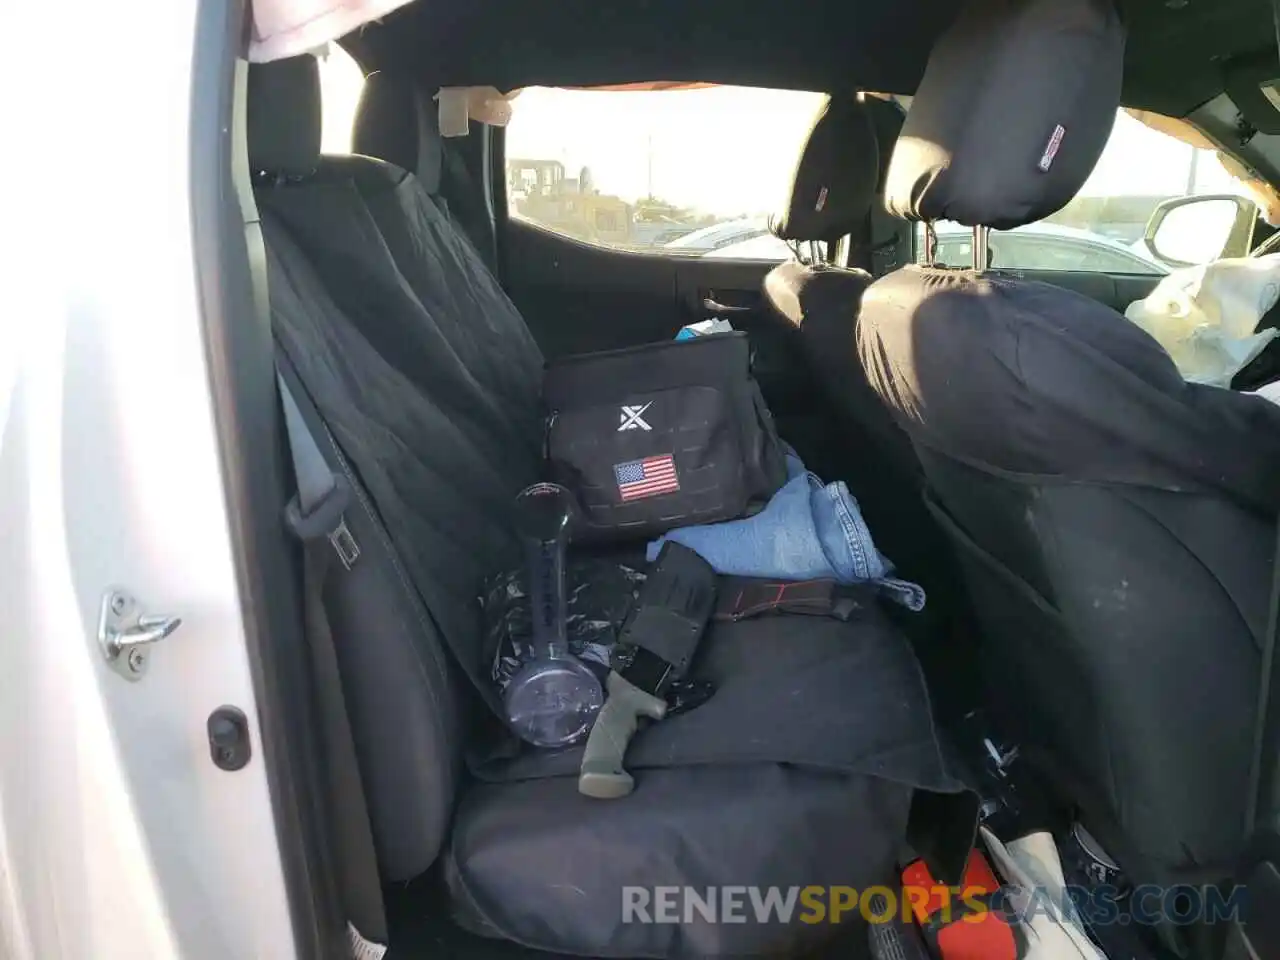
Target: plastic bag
[1206, 317]
[600, 595]
[1035, 888]
[704, 327]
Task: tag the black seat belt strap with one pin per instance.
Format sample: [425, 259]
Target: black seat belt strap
[317, 512]
[316, 515]
[318, 509]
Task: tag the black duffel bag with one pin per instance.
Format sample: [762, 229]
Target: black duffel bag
[660, 436]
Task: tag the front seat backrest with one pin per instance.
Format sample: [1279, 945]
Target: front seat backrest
[1115, 524]
[832, 190]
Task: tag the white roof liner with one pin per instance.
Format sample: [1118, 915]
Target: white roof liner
[286, 28]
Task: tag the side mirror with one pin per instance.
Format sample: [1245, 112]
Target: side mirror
[1187, 231]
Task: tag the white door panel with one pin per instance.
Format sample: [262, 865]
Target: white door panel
[119, 837]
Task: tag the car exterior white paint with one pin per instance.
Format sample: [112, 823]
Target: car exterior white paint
[119, 838]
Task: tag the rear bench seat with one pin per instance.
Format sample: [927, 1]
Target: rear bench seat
[408, 358]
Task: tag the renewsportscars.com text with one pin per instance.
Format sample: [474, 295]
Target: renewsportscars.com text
[1098, 906]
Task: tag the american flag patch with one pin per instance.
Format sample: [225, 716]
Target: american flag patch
[649, 477]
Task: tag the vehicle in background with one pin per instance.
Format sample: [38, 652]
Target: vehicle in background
[540, 192]
[1040, 246]
[648, 234]
[655, 222]
[707, 239]
[571, 205]
[1045, 246]
[763, 246]
[1181, 231]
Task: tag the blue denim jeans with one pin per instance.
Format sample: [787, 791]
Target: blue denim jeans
[808, 531]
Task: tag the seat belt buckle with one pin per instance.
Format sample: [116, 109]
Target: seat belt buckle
[327, 519]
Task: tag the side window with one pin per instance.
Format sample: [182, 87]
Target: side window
[1102, 229]
[341, 81]
[683, 172]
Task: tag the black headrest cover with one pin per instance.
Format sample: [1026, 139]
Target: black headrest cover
[886, 120]
[396, 123]
[835, 181]
[284, 116]
[1014, 109]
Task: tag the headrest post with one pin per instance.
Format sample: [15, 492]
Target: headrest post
[980, 247]
[930, 242]
[840, 250]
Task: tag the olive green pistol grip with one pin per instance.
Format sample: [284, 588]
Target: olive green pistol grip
[602, 775]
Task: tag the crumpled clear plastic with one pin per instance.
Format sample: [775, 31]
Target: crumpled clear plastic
[600, 595]
[1206, 317]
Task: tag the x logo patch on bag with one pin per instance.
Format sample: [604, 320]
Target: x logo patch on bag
[632, 419]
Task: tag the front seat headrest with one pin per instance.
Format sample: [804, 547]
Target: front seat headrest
[284, 116]
[393, 123]
[835, 181]
[886, 122]
[1015, 107]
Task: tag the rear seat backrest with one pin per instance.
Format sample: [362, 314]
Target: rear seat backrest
[398, 122]
[393, 124]
[417, 290]
[428, 381]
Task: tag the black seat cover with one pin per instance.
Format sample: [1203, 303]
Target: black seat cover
[367, 340]
[395, 123]
[831, 194]
[835, 177]
[427, 384]
[1115, 523]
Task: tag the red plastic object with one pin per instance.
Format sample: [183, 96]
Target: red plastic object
[916, 878]
[956, 920]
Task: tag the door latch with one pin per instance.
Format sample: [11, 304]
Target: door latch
[125, 633]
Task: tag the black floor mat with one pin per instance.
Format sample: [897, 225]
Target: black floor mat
[421, 930]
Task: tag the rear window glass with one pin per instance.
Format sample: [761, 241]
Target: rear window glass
[341, 82]
[686, 173]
